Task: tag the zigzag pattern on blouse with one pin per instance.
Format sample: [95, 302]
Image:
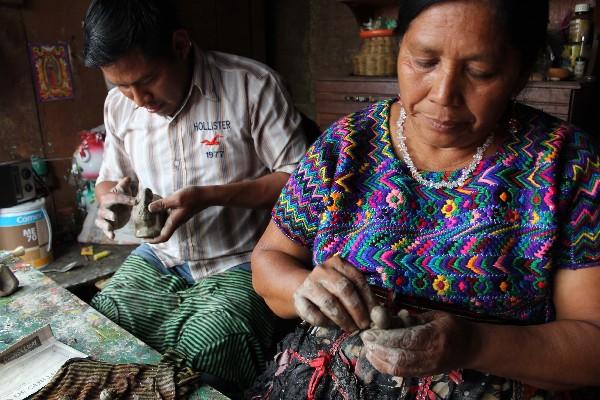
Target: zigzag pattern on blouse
[489, 247]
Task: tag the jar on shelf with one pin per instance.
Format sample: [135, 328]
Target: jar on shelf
[580, 25]
[377, 54]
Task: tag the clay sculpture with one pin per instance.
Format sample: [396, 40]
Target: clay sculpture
[381, 318]
[8, 281]
[147, 224]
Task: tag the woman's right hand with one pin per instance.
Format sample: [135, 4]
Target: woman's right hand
[114, 208]
[335, 293]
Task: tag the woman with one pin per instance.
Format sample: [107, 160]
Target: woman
[451, 199]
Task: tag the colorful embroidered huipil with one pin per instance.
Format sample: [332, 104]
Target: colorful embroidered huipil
[488, 248]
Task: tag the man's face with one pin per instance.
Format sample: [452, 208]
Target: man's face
[158, 85]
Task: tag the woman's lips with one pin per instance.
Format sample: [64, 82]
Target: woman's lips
[445, 125]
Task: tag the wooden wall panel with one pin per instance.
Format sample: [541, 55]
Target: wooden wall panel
[48, 21]
[50, 130]
[19, 126]
[234, 26]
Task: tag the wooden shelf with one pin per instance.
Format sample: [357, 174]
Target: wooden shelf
[363, 10]
[369, 3]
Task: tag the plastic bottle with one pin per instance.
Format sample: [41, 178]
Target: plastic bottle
[580, 24]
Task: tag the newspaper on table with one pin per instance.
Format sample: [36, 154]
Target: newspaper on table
[29, 364]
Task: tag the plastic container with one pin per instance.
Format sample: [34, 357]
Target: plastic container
[580, 24]
[573, 51]
[579, 70]
[27, 225]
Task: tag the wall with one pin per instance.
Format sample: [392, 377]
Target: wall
[307, 40]
[232, 26]
[287, 47]
[48, 130]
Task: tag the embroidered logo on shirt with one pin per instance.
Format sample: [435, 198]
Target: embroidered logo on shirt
[212, 125]
[212, 142]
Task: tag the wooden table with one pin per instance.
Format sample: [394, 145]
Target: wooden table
[90, 271]
[41, 301]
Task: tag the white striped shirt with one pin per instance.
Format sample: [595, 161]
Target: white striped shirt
[236, 123]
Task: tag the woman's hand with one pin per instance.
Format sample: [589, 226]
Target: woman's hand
[335, 293]
[440, 343]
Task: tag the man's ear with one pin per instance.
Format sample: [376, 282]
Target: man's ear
[182, 44]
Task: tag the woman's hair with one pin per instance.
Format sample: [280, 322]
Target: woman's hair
[524, 23]
[114, 28]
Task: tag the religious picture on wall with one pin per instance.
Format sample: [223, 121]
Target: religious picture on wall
[51, 71]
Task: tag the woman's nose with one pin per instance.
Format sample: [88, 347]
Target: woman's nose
[446, 87]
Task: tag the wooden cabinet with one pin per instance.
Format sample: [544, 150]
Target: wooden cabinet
[339, 96]
[335, 97]
[568, 100]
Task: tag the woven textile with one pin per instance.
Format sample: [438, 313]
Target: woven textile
[220, 324]
[489, 248]
[81, 379]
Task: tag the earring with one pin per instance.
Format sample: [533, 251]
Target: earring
[513, 122]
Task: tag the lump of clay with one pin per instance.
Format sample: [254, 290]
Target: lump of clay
[382, 318]
[8, 281]
[147, 224]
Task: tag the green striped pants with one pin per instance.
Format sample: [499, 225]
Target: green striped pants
[220, 324]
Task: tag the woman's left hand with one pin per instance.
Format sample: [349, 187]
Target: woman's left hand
[441, 342]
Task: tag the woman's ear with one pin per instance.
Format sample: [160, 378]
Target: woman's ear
[520, 83]
[182, 44]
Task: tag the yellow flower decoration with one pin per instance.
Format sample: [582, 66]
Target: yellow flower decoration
[441, 285]
[449, 208]
[332, 201]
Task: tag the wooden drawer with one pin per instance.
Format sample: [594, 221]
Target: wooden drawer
[337, 97]
[545, 95]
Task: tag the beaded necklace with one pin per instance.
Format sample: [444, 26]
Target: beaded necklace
[465, 173]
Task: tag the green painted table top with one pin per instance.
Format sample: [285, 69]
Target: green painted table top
[40, 301]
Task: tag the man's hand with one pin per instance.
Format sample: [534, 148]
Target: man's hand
[181, 206]
[114, 208]
[440, 343]
[335, 293]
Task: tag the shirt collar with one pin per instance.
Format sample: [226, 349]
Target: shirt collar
[202, 78]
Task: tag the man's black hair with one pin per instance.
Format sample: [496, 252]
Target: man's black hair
[524, 23]
[114, 28]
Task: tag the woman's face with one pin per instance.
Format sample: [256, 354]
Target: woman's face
[456, 74]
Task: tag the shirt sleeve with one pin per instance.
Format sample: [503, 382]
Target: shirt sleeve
[579, 202]
[303, 200]
[275, 124]
[115, 161]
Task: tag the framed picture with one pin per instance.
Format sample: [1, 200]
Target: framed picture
[52, 73]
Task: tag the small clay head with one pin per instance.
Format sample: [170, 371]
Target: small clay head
[8, 281]
[147, 224]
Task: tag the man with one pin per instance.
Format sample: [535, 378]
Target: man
[216, 136]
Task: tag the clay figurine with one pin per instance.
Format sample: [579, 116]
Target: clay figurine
[8, 281]
[147, 224]
[382, 318]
